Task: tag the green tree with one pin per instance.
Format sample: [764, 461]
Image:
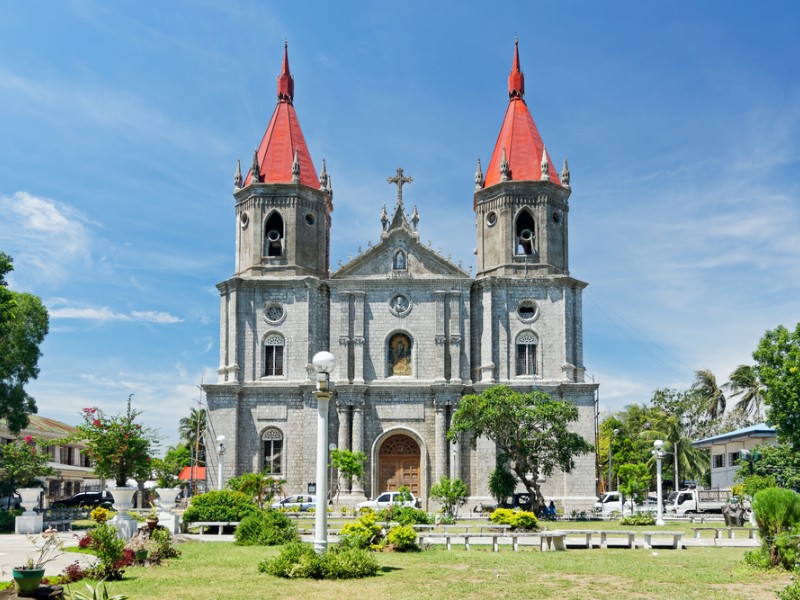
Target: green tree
[167, 469]
[23, 326]
[743, 382]
[778, 368]
[781, 463]
[349, 464]
[119, 447]
[21, 465]
[452, 493]
[709, 393]
[502, 482]
[634, 481]
[262, 487]
[531, 429]
[192, 429]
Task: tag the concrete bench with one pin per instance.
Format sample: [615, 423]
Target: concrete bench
[675, 535]
[552, 540]
[585, 534]
[729, 532]
[494, 537]
[628, 536]
[494, 528]
[219, 524]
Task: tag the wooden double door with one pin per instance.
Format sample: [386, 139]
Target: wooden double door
[399, 464]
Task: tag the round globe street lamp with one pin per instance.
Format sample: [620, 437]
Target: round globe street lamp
[659, 454]
[220, 456]
[323, 363]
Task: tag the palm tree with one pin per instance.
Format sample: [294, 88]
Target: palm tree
[709, 393]
[191, 429]
[744, 382]
[687, 460]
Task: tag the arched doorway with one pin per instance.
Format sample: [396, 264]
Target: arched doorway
[399, 464]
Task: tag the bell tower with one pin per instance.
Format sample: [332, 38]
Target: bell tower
[521, 204]
[282, 207]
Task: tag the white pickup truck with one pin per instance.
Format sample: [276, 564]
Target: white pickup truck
[693, 501]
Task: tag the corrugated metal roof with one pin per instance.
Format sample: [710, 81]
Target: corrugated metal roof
[758, 430]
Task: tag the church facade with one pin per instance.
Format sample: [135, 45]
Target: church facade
[411, 332]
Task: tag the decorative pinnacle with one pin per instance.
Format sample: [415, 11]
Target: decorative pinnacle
[478, 177]
[545, 165]
[324, 179]
[399, 180]
[565, 174]
[516, 80]
[237, 178]
[414, 218]
[505, 175]
[255, 169]
[384, 218]
[285, 79]
[296, 168]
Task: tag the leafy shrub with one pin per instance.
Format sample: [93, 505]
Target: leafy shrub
[266, 528]
[100, 514]
[757, 558]
[791, 591]
[109, 549]
[164, 542]
[7, 520]
[408, 515]
[403, 538]
[85, 541]
[363, 533]
[73, 572]
[299, 561]
[517, 519]
[776, 512]
[219, 505]
[643, 520]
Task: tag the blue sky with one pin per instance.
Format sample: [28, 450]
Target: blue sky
[121, 123]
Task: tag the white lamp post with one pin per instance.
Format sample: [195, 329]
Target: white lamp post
[220, 456]
[323, 362]
[659, 454]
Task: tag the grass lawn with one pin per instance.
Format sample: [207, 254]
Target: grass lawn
[220, 570]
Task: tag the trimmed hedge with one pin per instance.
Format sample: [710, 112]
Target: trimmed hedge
[220, 505]
[266, 528]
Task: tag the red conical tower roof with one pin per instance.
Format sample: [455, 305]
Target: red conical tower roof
[519, 138]
[283, 138]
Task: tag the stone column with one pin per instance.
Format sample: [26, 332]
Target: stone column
[441, 443]
[358, 336]
[358, 443]
[455, 336]
[441, 339]
[342, 352]
[343, 441]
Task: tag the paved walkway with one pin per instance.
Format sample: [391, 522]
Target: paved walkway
[16, 549]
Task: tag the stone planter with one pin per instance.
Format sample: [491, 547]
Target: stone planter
[124, 523]
[167, 497]
[29, 498]
[26, 581]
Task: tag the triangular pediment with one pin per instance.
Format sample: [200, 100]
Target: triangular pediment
[399, 254]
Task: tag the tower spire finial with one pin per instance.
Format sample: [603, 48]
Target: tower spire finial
[285, 79]
[237, 177]
[516, 80]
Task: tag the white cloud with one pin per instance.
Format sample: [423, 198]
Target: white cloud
[104, 313]
[48, 239]
[153, 316]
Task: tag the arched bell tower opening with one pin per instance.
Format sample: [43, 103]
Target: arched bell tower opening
[274, 237]
[525, 234]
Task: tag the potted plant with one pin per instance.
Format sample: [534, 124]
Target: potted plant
[28, 577]
[152, 517]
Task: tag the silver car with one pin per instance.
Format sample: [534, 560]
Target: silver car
[387, 499]
[301, 502]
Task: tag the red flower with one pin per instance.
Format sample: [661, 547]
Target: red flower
[29, 440]
[96, 423]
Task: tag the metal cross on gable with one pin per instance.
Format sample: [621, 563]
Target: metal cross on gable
[399, 180]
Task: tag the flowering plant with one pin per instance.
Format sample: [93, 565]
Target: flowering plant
[118, 446]
[21, 464]
[48, 548]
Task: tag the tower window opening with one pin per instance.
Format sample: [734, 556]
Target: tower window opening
[274, 239]
[273, 356]
[526, 353]
[524, 234]
[272, 447]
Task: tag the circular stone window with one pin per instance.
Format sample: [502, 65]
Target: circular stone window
[244, 220]
[309, 219]
[400, 305]
[274, 312]
[556, 217]
[527, 310]
[491, 219]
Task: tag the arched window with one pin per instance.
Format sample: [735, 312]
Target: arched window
[399, 263]
[272, 450]
[273, 355]
[525, 234]
[399, 355]
[526, 353]
[274, 240]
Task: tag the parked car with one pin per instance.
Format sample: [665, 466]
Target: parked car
[9, 502]
[387, 499]
[91, 499]
[301, 502]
